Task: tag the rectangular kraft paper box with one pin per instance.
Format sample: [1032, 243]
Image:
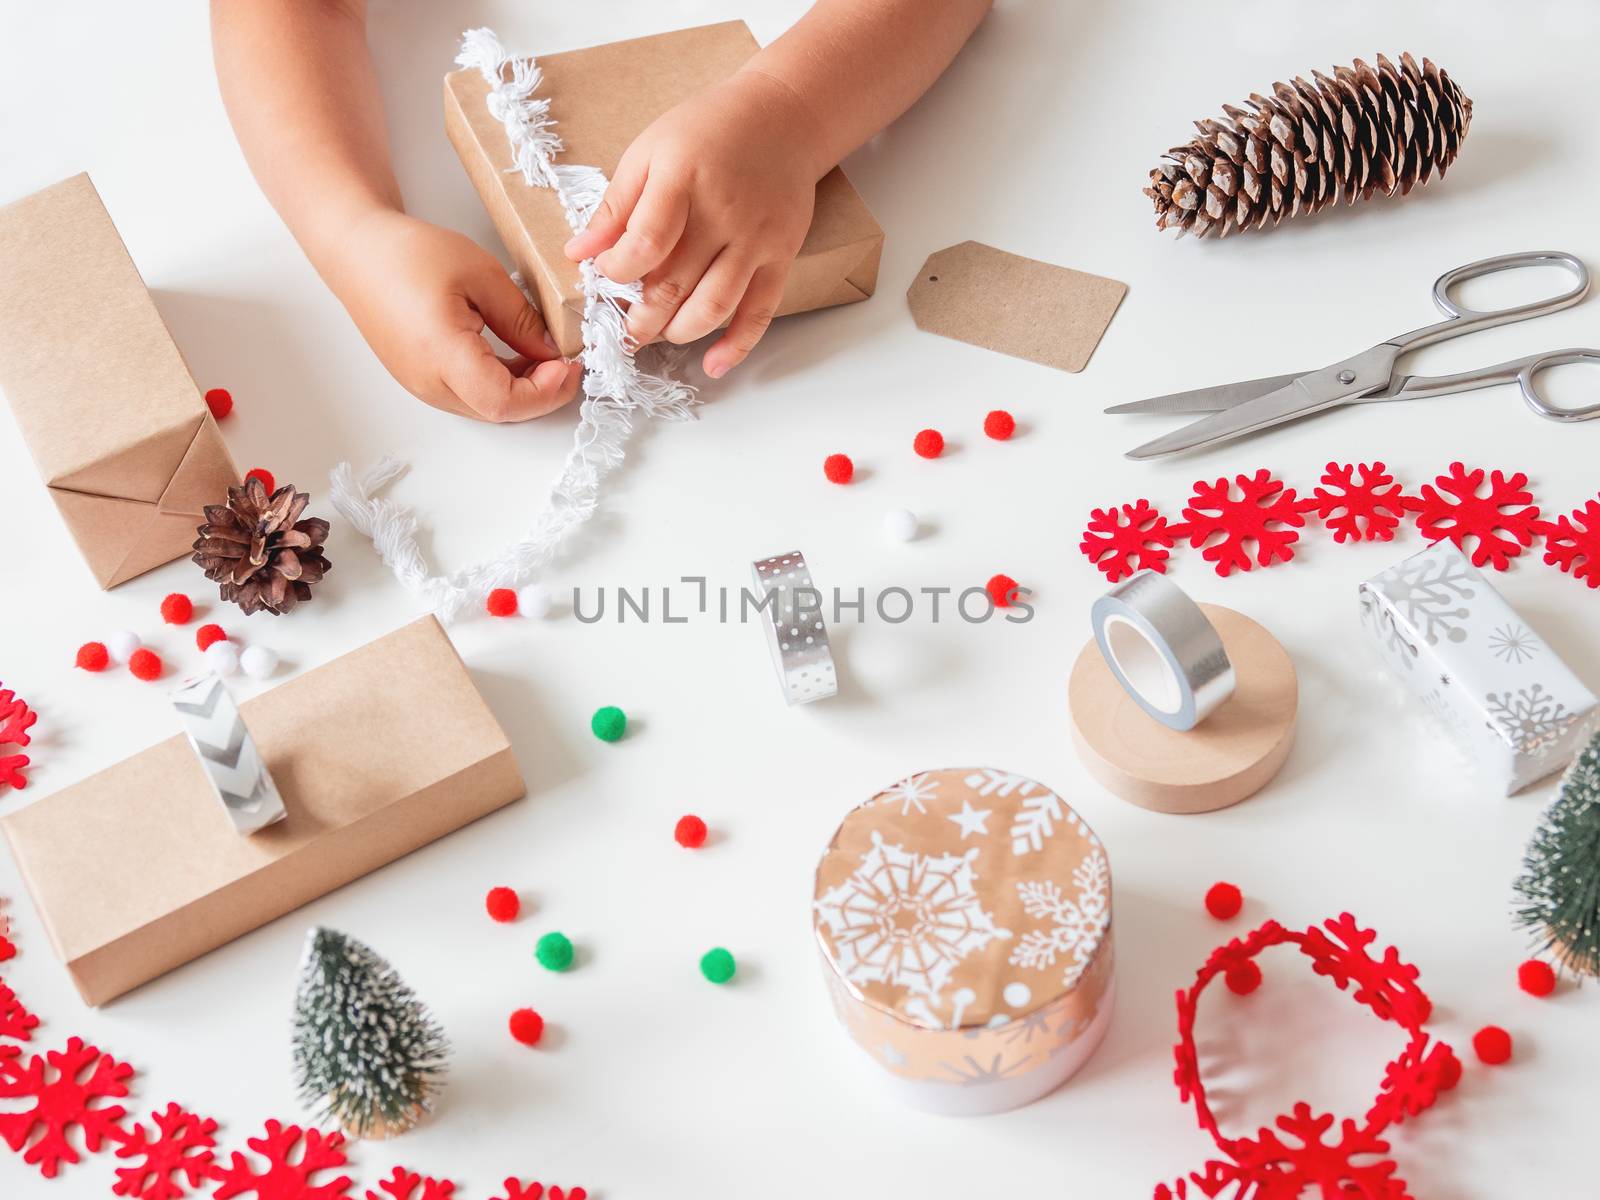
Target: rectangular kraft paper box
[107, 407]
[601, 99]
[1493, 685]
[137, 870]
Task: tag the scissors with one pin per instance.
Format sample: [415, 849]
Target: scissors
[1369, 377]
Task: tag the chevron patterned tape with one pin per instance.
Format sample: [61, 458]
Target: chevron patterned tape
[231, 761]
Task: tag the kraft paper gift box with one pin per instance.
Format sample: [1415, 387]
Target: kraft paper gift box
[106, 405]
[600, 100]
[138, 870]
[1492, 684]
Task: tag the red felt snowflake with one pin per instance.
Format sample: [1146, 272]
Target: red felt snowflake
[175, 1159]
[517, 1190]
[1366, 509]
[1295, 1156]
[286, 1177]
[16, 1022]
[66, 1088]
[1134, 538]
[15, 720]
[1572, 542]
[1499, 523]
[408, 1185]
[1262, 520]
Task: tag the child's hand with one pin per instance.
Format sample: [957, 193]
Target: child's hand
[422, 295]
[709, 207]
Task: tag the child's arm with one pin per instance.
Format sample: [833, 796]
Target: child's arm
[300, 89]
[709, 205]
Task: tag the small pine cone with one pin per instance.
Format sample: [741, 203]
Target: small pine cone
[257, 547]
[1362, 131]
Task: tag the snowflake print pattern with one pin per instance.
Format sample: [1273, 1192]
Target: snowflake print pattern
[1514, 644]
[911, 793]
[1038, 813]
[1428, 591]
[969, 1072]
[67, 1089]
[1530, 718]
[175, 1159]
[907, 919]
[1076, 924]
[1369, 509]
[1497, 523]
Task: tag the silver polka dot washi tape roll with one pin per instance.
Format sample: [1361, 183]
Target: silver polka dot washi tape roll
[232, 763]
[791, 612]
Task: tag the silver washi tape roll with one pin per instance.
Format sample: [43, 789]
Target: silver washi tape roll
[230, 758]
[1162, 649]
[791, 612]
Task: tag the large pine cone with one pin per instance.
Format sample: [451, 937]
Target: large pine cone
[1364, 130]
[259, 550]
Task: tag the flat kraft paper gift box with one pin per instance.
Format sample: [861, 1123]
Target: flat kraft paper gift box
[600, 100]
[120, 433]
[138, 870]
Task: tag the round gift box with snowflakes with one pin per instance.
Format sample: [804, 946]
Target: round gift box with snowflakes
[964, 917]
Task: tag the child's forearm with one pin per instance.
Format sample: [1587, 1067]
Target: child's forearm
[856, 65]
[299, 86]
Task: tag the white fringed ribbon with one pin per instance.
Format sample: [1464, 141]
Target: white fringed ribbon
[615, 387]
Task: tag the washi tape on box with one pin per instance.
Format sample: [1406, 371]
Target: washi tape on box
[232, 763]
[791, 609]
[964, 919]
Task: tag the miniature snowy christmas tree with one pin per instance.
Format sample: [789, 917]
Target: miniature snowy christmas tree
[1559, 890]
[367, 1053]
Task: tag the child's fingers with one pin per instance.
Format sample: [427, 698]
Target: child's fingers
[506, 310]
[666, 288]
[482, 382]
[750, 320]
[610, 217]
[654, 228]
[714, 298]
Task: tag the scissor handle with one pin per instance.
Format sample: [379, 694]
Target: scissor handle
[1461, 319]
[1537, 402]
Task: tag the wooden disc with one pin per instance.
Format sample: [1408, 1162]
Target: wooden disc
[1228, 756]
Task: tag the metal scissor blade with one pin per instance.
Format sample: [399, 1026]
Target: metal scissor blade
[1307, 394]
[1204, 400]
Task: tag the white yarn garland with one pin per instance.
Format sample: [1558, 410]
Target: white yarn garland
[615, 387]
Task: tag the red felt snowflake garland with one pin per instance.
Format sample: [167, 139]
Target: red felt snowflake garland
[286, 1177]
[1135, 537]
[408, 1185]
[1499, 523]
[67, 1089]
[172, 1160]
[1300, 1154]
[515, 1189]
[1572, 542]
[1366, 509]
[1261, 521]
[16, 718]
[16, 1022]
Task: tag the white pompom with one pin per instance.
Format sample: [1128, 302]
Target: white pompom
[259, 662]
[222, 657]
[122, 645]
[900, 524]
[534, 600]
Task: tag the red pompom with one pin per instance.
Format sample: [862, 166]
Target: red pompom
[220, 402]
[1449, 1072]
[999, 424]
[145, 664]
[177, 609]
[838, 468]
[1223, 901]
[527, 1026]
[503, 904]
[1492, 1045]
[209, 635]
[929, 443]
[690, 832]
[92, 656]
[1536, 978]
[502, 602]
[267, 481]
[1243, 977]
[1001, 589]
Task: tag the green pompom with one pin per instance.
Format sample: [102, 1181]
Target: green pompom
[717, 965]
[554, 952]
[608, 723]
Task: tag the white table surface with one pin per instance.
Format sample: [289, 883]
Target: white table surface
[653, 1083]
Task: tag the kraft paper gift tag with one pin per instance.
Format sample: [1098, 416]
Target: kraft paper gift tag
[1019, 306]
